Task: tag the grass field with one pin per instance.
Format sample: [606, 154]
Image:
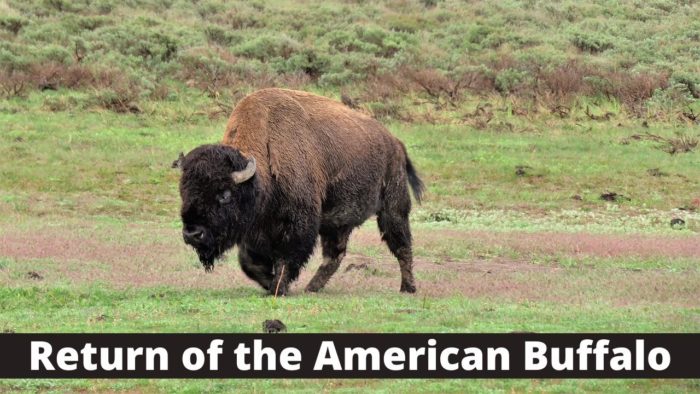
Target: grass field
[558, 141]
[90, 205]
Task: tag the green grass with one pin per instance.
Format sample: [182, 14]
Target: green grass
[107, 177]
[88, 199]
[545, 54]
[61, 162]
[95, 309]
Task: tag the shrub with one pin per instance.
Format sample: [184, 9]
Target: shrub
[349, 68]
[60, 103]
[269, 46]
[307, 61]
[405, 23]
[14, 83]
[441, 89]
[120, 99]
[430, 3]
[384, 87]
[13, 24]
[632, 90]
[52, 76]
[485, 37]
[55, 54]
[387, 110]
[209, 69]
[217, 35]
[564, 81]
[239, 19]
[690, 81]
[510, 80]
[149, 44]
[10, 61]
[369, 39]
[591, 42]
[674, 98]
[104, 7]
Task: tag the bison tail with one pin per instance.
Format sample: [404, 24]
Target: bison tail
[416, 184]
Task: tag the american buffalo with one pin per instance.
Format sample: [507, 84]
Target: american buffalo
[293, 165]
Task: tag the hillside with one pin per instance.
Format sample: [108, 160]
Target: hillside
[427, 60]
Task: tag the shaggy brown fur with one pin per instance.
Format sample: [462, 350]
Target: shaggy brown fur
[295, 135]
[321, 168]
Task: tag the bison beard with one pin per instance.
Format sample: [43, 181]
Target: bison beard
[292, 167]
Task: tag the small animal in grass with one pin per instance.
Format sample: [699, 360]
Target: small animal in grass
[273, 327]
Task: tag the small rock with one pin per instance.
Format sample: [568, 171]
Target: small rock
[677, 223]
[612, 196]
[273, 327]
[521, 170]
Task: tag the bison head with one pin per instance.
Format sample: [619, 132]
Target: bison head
[218, 199]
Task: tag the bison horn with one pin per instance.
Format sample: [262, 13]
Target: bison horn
[244, 174]
[178, 163]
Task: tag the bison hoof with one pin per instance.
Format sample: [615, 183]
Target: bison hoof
[408, 288]
[312, 289]
[277, 291]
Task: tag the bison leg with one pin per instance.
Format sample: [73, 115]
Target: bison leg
[256, 267]
[334, 245]
[396, 232]
[278, 287]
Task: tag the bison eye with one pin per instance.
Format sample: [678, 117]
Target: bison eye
[224, 197]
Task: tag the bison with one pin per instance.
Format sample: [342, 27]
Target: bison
[292, 166]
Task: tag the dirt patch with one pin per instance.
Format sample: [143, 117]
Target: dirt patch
[34, 275]
[519, 281]
[59, 256]
[572, 244]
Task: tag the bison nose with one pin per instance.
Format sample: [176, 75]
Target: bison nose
[193, 234]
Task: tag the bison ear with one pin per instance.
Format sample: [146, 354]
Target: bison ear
[178, 163]
[244, 174]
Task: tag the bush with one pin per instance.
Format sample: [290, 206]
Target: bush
[149, 44]
[690, 81]
[120, 99]
[307, 61]
[209, 69]
[674, 98]
[510, 80]
[269, 46]
[387, 110]
[13, 24]
[349, 68]
[60, 103]
[10, 61]
[14, 83]
[632, 90]
[369, 39]
[55, 54]
[564, 81]
[592, 42]
[217, 35]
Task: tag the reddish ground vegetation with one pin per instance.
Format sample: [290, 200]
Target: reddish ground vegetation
[80, 260]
